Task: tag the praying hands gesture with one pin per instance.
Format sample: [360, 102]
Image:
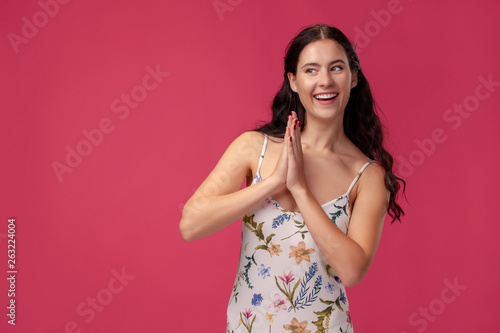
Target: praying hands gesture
[289, 170]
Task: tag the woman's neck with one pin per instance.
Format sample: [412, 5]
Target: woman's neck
[323, 136]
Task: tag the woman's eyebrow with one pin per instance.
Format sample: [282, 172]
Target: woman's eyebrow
[318, 65]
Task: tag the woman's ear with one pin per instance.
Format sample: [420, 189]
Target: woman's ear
[354, 80]
[293, 84]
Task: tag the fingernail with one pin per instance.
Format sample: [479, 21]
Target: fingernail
[290, 138]
[294, 126]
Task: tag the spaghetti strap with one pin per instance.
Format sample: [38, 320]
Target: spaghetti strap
[357, 176]
[264, 146]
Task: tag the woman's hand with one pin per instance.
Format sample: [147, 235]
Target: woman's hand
[279, 174]
[289, 170]
[295, 180]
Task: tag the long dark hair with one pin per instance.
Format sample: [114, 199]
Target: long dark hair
[361, 123]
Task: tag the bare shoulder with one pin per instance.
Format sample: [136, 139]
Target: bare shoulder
[248, 144]
[373, 181]
[251, 138]
[245, 149]
[376, 170]
[234, 166]
[373, 175]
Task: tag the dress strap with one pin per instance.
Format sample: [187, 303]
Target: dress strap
[358, 175]
[264, 146]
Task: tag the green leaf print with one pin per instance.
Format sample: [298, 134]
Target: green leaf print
[344, 208]
[269, 238]
[335, 216]
[300, 226]
[338, 213]
[337, 303]
[324, 317]
[244, 318]
[328, 268]
[295, 288]
[235, 290]
[261, 247]
[250, 223]
[253, 320]
[257, 230]
[247, 268]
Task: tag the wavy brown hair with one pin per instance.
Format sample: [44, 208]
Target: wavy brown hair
[361, 122]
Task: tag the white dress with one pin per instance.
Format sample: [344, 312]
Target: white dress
[284, 284]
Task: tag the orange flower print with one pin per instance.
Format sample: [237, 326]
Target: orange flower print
[297, 327]
[300, 252]
[274, 249]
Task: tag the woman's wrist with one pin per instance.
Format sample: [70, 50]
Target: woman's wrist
[301, 193]
[273, 184]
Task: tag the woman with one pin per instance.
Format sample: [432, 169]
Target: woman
[311, 223]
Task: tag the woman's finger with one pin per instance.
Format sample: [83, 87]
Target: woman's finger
[299, 132]
[296, 138]
[291, 133]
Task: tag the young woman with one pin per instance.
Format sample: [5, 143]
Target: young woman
[319, 184]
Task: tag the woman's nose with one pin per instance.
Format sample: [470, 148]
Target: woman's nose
[325, 78]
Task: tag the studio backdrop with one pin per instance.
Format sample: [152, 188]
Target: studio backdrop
[114, 112]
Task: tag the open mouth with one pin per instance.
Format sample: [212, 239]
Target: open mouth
[326, 97]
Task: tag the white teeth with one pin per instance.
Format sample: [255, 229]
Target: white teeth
[326, 96]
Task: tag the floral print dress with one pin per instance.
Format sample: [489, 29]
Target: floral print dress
[284, 284]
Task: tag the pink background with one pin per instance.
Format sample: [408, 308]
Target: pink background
[120, 206]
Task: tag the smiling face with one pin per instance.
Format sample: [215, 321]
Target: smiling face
[323, 79]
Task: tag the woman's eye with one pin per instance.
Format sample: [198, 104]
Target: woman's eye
[310, 70]
[336, 68]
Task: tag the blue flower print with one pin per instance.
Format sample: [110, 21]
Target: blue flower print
[337, 279]
[256, 179]
[312, 270]
[263, 271]
[342, 297]
[330, 288]
[277, 221]
[257, 299]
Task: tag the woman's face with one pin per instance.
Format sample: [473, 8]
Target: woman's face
[323, 80]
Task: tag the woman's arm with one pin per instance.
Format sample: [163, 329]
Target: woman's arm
[219, 201]
[349, 255]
